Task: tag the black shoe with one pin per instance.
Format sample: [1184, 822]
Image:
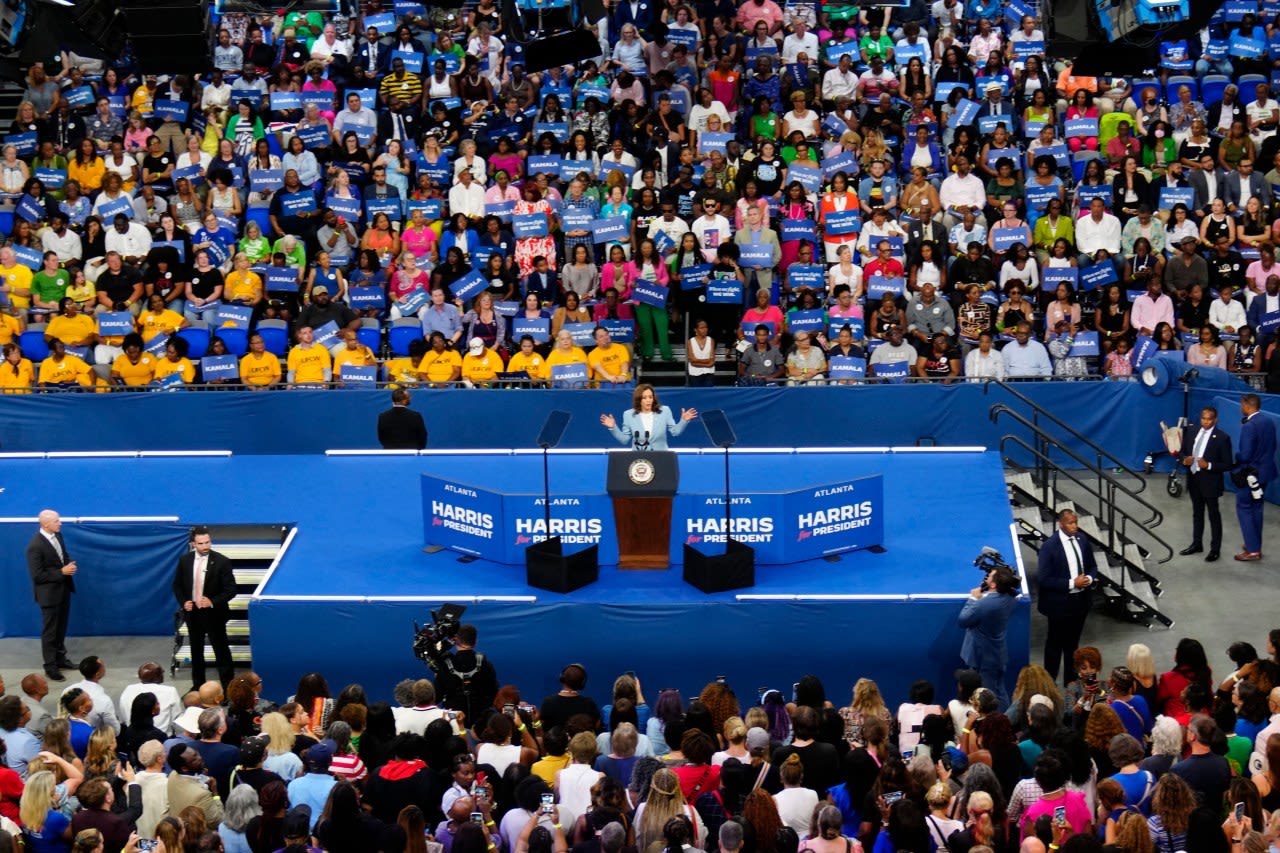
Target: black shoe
[1191, 549]
[1211, 557]
[54, 674]
[66, 664]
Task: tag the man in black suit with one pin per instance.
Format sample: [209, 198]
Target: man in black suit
[401, 428]
[53, 580]
[1206, 454]
[1067, 572]
[204, 585]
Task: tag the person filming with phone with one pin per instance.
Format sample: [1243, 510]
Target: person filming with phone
[985, 618]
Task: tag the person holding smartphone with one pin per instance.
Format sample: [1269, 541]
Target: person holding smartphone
[985, 619]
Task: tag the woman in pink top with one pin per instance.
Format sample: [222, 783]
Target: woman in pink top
[617, 273]
[507, 159]
[405, 281]
[763, 312]
[1260, 270]
[1082, 106]
[1209, 352]
[1052, 777]
[418, 237]
[317, 83]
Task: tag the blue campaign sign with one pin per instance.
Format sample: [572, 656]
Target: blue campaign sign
[53, 179]
[724, 291]
[173, 380]
[108, 208]
[345, 207]
[539, 330]
[1023, 49]
[383, 22]
[326, 335]
[580, 520]
[569, 375]
[1269, 323]
[1053, 276]
[543, 164]
[583, 333]
[710, 141]
[605, 230]
[894, 372]
[191, 172]
[987, 125]
[432, 208]
[469, 285]
[1085, 344]
[577, 219]
[878, 285]
[115, 323]
[358, 375]
[410, 304]
[157, 345]
[1086, 194]
[607, 166]
[462, 517]
[903, 53]
[694, 276]
[1169, 196]
[264, 180]
[281, 279]
[749, 327]
[282, 101]
[688, 38]
[504, 210]
[806, 276]
[834, 517]
[303, 201]
[176, 245]
[1057, 152]
[662, 241]
[813, 320]
[313, 137]
[570, 169]
[116, 104]
[1235, 10]
[857, 327]
[649, 293]
[846, 367]
[31, 210]
[834, 125]
[964, 114]
[171, 110]
[558, 129]
[1038, 197]
[591, 90]
[1003, 238]
[529, 225]
[835, 51]
[846, 161]
[389, 206]
[231, 314]
[366, 297]
[412, 60]
[756, 256]
[24, 142]
[754, 52]
[798, 229]
[942, 91]
[1031, 129]
[1143, 349]
[806, 176]
[699, 520]
[1246, 48]
[506, 309]
[440, 172]
[367, 96]
[1081, 127]
[219, 367]
[27, 256]
[620, 331]
[840, 223]
[79, 97]
[1093, 277]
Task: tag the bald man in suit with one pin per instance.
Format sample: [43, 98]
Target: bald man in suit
[53, 582]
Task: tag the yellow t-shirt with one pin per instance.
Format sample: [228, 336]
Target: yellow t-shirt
[482, 368]
[154, 323]
[439, 366]
[244, 286]
[141, 373]
[165, 367]
[547, 768]
[18, 277]
[360, 357]
[557, 357]
[309, 365]
[615, 359]
[260, 369]
[70, 369]
[72, 330]
[402, 370]
[10, 328]
[533, 364]
[17, 379]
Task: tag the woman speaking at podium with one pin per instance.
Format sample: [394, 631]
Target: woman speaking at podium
[646, 424]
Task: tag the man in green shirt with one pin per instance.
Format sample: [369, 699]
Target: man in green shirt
[48, 286]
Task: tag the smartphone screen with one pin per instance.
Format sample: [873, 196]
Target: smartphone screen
[477, 817]
[1239, 812]
[892, 797]
[1060, 814]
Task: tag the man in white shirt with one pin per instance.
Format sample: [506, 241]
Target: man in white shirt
[151, 680]
[103, 712]
[668, 223]
[131, 239]
[711, 229]
[1263, 114]
[800, 40]
[61, 240]
[840, 81]
[948, 13]
[1097, 231]
[216, 94]
[424, 712]
[466, 196]
[961, 192]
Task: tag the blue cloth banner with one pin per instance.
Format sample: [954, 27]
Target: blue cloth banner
[53, 179]
[813, 320]
[756, 256]
[810, 276]
[1053, 276]
[313, 137]
[529, 225]
[282, 101]
[349, 208]
[232, 314]
[1081, 127]
[31, 210]
[383, 22]
[846, 367]
[366, 297]
[24, 142]
[840, 223]
[798, 229]
[694, 276]
[964, 113]
[303, 201]
[281, 280]
[469, 285]
[806, 176]
[359, 375]
[219, 367]
[1085, 344]
[1003, 238]
[724, 291]
[115, 323]
[412, 60]
[539, 330]
[389, 206]
[845, 161]
[583, 333]
[611, 229]
[1169, 196]
[649, 293]
[264, 180]
[878, 285]
[28, 256]
[1093, 277]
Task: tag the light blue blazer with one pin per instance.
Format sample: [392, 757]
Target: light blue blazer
[632, 430]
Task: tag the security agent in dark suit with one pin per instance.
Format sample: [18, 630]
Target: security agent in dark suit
[204, 585]
[1206, 454]
[1255, 468]
[53, 580]
[1067, 572]
[401, 428]
[985, 619]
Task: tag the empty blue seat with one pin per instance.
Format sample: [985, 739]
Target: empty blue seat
[1248, 83]
[403, 332]
[370, 334]
[235, 339]
[197, 337]
[1211, 88]
[275, 335]
[32, 343]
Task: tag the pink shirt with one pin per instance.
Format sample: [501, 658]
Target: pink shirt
[401, 285]
[751, 12]
[1148, 313]
[417, 241]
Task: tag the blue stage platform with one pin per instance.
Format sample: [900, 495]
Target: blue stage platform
[355, 576]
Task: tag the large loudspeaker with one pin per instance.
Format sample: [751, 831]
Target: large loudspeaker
[734, 569]
[548, 567]
[170, 37]
[565, 49]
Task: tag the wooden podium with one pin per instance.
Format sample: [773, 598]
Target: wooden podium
[642, 484]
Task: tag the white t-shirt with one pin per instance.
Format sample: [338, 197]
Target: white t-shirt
[795, 807]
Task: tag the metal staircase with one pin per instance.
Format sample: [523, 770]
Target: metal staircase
[252, 549]
[1062, 469]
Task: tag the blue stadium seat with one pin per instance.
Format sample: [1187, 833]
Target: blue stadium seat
[1140, 86]
[197, 337]
[1078, 161]
[1247, 82]
[275, 334]
[6, 222]
[370, 334]
[260, 215]
[32, 343]
[403, 332]
[1176, 82]
[236, 339]
[1211, 86]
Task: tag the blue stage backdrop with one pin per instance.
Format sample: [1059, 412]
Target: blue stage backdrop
[1120, 416]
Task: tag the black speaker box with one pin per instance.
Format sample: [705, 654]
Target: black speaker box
[173, 54]
[169, 17]
[734, 569]
[548, 567]
[565, 49]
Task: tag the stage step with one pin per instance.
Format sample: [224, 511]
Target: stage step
[237, 629]
[239, 654]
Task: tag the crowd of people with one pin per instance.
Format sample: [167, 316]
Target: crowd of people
[819, 192]
[1124, 759]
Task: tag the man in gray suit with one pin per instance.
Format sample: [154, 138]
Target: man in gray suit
[1243, 184]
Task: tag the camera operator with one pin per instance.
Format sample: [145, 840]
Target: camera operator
[465, 679]
[985, 618]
